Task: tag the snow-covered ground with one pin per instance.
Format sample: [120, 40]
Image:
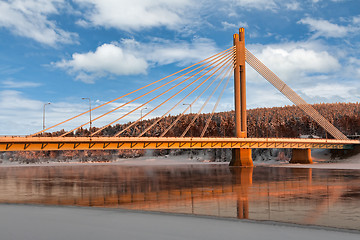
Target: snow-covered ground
[140, 161]
[26, 222]
[147, 159]
[321, 159]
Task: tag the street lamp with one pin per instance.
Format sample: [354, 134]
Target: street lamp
[141, 113]
[189, 105]
[44, 115]
[191, 152]
[89, 111]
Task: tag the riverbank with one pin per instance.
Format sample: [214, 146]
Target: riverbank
[23, 222]
[321, 158]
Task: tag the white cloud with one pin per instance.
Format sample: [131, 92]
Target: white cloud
[227, 25]
[329, 90]
[325, 28]
[18, 113]
[352, 69]
[21, 115]
[11, 99]
[129, 57]
[294, 61]
[13, 84]
[30, 19]
[161, 51]
[258, 4]
[266, 5]
[107, 59]
[134, 14]
[9, 70]
[356, 20]
[293, 6]
[264, 95]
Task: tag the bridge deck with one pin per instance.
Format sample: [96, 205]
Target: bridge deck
[12, 143]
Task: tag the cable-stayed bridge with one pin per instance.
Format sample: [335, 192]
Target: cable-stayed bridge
[207, 78]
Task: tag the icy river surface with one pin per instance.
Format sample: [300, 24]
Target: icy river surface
[308, 196]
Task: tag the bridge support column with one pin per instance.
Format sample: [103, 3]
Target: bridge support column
[302, 156]
[241, 157]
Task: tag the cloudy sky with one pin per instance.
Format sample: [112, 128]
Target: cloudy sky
[61, 51]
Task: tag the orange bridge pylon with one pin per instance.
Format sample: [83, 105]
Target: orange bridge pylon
[240, 156]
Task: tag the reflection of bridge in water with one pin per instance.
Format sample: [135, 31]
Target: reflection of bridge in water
[204, 78]
[303, 196]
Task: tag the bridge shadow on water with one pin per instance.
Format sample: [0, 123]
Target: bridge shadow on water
[304, 196]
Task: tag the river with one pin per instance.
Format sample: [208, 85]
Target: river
[321, 197]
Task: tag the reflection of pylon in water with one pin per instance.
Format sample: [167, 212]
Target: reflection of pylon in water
[242, 179]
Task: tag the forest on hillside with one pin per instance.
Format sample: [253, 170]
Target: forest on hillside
[287, 121]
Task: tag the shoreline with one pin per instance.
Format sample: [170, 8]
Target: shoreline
[345, 165]
[321, 160]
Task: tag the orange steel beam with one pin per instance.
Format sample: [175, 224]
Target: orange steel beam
[111, 143]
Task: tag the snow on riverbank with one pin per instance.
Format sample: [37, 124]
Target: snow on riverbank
[24, 222]
[140, 161]
[320, 157]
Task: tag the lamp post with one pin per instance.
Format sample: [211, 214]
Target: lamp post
[44, 115]
[189, 105]
[141, 113]
[89, 112]
[191, 156]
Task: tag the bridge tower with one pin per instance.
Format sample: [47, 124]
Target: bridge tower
[240, 156]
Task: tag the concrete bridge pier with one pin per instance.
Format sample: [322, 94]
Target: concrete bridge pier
[241, 157]
[302, 156]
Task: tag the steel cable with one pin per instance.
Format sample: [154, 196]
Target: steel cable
[257, 65]
[168, 99]
[221, 61]
[218, 58]
[148, 85]
[177, 104]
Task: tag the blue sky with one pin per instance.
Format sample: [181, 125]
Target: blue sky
[60, 51]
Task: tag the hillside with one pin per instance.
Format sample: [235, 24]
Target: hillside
[287, 121]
